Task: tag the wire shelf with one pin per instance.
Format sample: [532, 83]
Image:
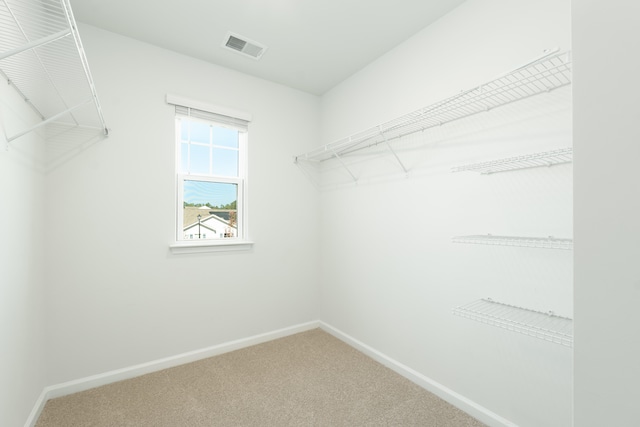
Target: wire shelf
[525, 242]
[546, 158]
[545, 326]
[42, 57]
[550, 72]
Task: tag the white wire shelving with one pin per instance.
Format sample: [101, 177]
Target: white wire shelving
[551, 71]
[525, 242]
[546, 326]
[542, 159]
[42, 58]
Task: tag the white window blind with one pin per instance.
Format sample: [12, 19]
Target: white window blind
[239, 124]
[200, 110]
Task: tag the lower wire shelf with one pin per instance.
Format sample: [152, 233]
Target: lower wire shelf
[525, 242]
[545, 326]
[546, 158]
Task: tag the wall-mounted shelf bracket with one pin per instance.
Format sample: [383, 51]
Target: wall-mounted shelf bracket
[47, 121]
[386, 142]
[344, 165]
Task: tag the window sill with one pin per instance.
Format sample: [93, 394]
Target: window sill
[189, 247]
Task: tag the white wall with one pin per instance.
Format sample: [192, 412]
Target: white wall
[117, 296]
[116, 301]
[22, 310]
[395, 292]
[607, 205]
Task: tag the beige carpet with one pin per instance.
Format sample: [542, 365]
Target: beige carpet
[307, 379]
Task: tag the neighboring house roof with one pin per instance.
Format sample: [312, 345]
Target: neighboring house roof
[203, 228]
[223, 214]
[190, 216]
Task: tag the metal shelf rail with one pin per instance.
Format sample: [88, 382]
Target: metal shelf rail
[546, 326]
[549, 72]
[547, 158]
[42, 58]
[525, 242]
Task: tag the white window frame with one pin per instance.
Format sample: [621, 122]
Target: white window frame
[241, 241]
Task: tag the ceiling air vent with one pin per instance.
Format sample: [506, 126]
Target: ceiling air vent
[243, 45]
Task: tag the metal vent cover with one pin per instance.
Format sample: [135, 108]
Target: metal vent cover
[243, 45]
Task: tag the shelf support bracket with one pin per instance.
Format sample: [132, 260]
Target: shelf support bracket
[50, 119]
[34, 44]
[344, 165]
[386, 142]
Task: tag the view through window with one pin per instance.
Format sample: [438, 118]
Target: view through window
[211, 171]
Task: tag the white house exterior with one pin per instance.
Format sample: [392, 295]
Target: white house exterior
[208, 223]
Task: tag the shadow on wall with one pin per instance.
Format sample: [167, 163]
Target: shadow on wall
[64, 142]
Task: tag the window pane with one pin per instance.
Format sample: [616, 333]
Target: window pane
[184, 156]
[199, 160]
[184, 129]
[200, 132]
[225, 162]
[210, 210]
[225, 137]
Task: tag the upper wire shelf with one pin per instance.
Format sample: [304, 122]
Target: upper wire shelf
[546, 326]
[546, 158]
[525, 242]
[551, 71]
[42, 57]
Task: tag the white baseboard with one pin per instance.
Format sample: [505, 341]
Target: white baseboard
[82, 384]
[37, 409]
[98, 380]
[470, 407]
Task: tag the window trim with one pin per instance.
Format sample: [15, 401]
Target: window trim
[194, 247]
[242, 242]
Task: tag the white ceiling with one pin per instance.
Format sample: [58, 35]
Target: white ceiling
[312, 44]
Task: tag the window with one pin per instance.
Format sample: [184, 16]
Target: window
[211, 171]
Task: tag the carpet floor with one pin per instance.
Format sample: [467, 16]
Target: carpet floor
[307, 379]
